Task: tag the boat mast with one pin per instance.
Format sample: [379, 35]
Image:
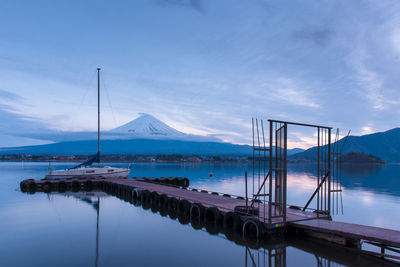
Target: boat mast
[97, 232]
[98, 114]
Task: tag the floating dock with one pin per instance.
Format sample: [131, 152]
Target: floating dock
[217, 211]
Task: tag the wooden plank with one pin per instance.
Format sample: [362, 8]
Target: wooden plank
[384, 236]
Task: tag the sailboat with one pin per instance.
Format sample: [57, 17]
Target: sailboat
[86, 169]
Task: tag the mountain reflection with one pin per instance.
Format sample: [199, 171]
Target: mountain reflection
[372, 177]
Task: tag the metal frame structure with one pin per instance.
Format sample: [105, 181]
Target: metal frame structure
[270, 184]
[266, 256]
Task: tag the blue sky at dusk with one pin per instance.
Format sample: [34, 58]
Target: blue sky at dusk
[201, 66]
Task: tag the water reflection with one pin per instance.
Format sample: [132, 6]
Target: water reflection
[372, 177]
[61, 229]
[362, 169]
[93, 199]
[273, 251]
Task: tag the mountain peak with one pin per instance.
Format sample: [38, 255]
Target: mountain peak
[147, 126]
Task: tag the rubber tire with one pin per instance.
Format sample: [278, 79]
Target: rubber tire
[197, 211]
[173, 208]
[212, 216]
[47, 187]
[62, 187]
[184, 208]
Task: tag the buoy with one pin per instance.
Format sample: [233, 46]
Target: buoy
[211, 175]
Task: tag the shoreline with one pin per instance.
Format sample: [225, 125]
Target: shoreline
[172, 158]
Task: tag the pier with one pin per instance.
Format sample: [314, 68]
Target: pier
[224, 212]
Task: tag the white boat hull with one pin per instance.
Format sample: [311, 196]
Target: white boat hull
[94, 172]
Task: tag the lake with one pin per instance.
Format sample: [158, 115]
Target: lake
[61, 229]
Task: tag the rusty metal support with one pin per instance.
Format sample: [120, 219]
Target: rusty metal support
[315, 192]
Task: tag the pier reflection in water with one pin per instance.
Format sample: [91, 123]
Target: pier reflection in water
[270, 252]
[41, 229]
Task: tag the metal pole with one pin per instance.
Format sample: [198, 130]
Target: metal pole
[245, 186]
[285, 173]
[98, 113]
[245, 258]
[259, 155]
[252, 128]
[270, 178]
[97, 232]
[265, 162]
[329, 170]
[318, 170]
[276, 167]
[325, 168]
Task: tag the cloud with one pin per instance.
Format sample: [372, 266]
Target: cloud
[6, 95]
[371, 83]
[193, 4]
[12, 122]
[292, 92]
[319, 36]
[209, 76]
[366, 129]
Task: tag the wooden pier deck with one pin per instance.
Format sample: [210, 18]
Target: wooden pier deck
[386, 237]
[223, 203]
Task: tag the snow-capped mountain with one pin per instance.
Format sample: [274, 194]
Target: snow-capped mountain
[143, 127]
[146, 126]
[141, 136]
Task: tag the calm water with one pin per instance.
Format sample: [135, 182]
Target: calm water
[60, 230]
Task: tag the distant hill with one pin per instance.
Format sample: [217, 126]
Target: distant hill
[385, 145]
[136, 147]
[358, 157]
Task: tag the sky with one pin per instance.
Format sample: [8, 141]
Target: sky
[201, 66]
